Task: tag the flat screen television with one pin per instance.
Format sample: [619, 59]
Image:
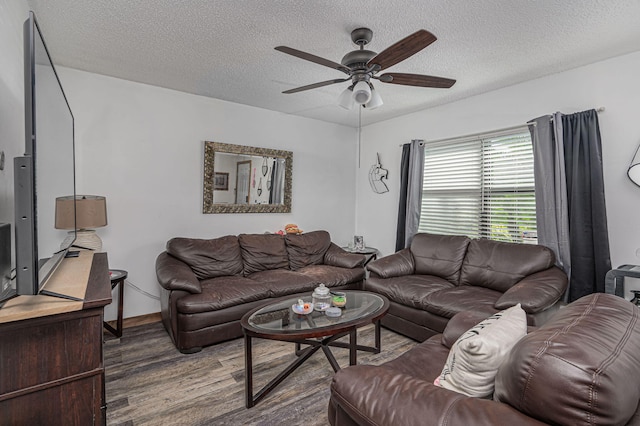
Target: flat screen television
[47, 169]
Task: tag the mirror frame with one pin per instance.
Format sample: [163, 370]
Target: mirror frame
[210, 148]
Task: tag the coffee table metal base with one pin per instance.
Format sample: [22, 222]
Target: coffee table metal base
[302, 356]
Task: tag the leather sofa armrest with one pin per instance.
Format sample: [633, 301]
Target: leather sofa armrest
[459, 324]
[536, 292]
[395, 265]
[336, 256]
[174, 274]
[375, 395]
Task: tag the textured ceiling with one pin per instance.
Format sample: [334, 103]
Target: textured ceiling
[224, 49]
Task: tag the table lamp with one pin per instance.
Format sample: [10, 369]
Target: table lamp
[90, 213]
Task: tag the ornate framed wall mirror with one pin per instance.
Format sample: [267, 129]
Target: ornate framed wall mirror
[246, 179]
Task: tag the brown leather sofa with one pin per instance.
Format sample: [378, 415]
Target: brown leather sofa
[579, 368]
[442, 275]
[208, 285]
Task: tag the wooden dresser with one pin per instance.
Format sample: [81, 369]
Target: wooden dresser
[51, 350]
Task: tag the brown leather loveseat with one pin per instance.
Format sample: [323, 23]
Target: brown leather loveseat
[441, 275]
[208, 285]
[579, 368]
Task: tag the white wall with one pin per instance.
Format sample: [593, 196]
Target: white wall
[142, 147]
[612, 84]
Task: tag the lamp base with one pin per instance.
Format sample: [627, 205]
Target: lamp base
[85, 239]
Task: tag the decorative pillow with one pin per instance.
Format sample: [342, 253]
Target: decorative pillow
[475, 357]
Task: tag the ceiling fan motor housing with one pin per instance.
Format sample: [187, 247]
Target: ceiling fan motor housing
[358, 59]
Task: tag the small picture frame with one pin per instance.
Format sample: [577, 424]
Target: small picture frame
[220, 181]
[358, 242]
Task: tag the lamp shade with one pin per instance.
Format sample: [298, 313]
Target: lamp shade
[375, 100]
[346, 99]
[634, 169]
[361, 92]
[81, 212]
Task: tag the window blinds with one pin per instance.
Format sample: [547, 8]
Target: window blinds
[480, 187]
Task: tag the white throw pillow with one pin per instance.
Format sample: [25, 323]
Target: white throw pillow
[475, 357]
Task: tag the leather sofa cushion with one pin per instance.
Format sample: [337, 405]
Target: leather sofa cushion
[282, 282]
[262, 252]
[498, 265]
[439, 255]
[222, 292]
[208, 258]
[307, 249]
[424, 361]
[449, 302]
[581, 367]
[332, 276]
[409, 290]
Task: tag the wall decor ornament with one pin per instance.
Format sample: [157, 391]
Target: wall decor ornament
[376, 174]
[634, 168]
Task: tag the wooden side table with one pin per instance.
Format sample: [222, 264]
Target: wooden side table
[117, 280]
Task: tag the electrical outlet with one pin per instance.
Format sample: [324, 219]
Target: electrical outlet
[638, 253]
[1, 160]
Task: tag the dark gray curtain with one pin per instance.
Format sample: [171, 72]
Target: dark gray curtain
[570, 203]
[402, 206]
[589, 237]
[551, 188]
[411, 172]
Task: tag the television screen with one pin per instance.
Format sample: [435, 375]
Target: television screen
[46, 171]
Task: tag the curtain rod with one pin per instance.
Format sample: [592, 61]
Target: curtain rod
[600, 109]
[472, 135]
[505, 129]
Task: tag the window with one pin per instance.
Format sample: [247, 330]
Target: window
[480, 187]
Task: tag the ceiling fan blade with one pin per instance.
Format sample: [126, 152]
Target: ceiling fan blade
[315, 85]
[403, 49]
[313, 58]
[416, 80]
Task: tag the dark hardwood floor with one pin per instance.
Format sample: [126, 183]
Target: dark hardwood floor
[149, 382]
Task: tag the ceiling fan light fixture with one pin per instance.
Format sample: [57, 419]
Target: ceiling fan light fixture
[346, 98]
[361, 92]
[375, 100]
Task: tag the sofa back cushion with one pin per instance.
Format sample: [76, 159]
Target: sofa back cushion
[208, 258]
[439, 255]
[498, 265]
[307, 249]
[263, 252]
[581, 367]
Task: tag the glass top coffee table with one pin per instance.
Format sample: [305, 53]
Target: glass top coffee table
[278, 321]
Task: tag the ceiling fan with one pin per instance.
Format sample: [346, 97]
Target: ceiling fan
[362, 66]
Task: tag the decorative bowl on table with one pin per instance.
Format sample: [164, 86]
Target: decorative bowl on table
[339, 299]
[302, 308]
